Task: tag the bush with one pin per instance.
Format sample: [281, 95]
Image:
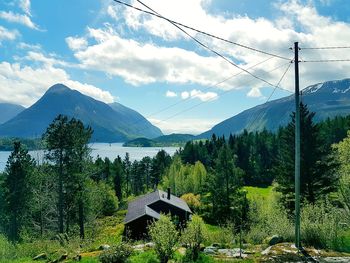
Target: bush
[117, 254]
[267, 219]
[223, 235]
[322, 225]
[193, 236]
[6, 249]
[164, 235]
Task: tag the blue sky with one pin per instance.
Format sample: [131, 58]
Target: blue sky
[114, 53]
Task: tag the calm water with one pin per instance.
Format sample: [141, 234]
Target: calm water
[104, 150]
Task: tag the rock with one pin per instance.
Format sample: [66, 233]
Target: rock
[41, 256]
[275, 239]
[216, 245]
[210, 250]
[104, 247]
[233, 253]
[266, 251]
[150, 244]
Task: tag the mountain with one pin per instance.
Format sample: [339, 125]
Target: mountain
[114, 123]
[327, 99]
[8, 111]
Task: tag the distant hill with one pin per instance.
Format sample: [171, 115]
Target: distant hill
[8, 111]
[328, 99]
[175, 140]
[111, 123]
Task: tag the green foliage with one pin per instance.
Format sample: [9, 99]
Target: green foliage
[322, 225]
[317, 177]
[116, 254]
[267, 218]
[193, 236]
[342, 153]
[185, 178]
[144, 257]
[16, 191]
[6, 249]
[164, 235]
[193, 201]
[223, 235]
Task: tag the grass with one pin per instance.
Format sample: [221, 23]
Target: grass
[254, 193]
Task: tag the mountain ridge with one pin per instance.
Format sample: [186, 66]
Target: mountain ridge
[328, 99]
[108, 124]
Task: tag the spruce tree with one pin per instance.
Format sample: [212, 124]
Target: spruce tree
[17, 192]
[317, 175]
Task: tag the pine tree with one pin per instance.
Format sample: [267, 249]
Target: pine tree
[16, 186]
[317, 177]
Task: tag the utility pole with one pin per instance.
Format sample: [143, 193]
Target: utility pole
[297, 148]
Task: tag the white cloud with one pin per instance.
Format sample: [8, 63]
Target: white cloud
[25, 6]
[185, 125]
[23, 45]
[203, 96]
[18, 18]
[254, 93]
[24, 85]
[6, 34]
[185, 95]
[170, 94]
[76, 43]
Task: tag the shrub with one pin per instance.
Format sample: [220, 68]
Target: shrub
[164, 235]
[224, 235]
[6, 249]
[321, 226]
[117, 254]
[193, 236]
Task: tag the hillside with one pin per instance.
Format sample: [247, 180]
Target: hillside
[328, 99]
[8, 111]
[114, 123]
[171, 140]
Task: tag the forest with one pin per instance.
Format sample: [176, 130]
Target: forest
[69, 204]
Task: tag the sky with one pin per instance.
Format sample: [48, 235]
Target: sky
[117, 54]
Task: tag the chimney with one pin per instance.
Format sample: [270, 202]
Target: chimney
[168, 193]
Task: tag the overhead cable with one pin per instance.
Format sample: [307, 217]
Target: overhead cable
[153, 13]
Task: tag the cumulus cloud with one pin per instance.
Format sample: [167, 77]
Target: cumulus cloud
[18, 18]
[185, 95]
[24, 84]
[6, 34]
[170, 94]
[76, 43]
[254, 93]
[203, 96]
[297, 22]
[184, 125]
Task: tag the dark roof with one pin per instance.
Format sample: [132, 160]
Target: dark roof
[140, 206]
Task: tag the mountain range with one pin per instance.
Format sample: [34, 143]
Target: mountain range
[111, 123]
[8, 111]
[327, 99]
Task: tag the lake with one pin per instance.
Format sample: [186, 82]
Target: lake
[103, 150]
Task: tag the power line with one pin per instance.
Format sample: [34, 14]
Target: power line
[153, 13]
[224, 92]
[210, 49]
[207, 88]
[268, 99]
[325, 60]
[339, 47]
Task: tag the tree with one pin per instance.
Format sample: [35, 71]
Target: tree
[164, 235]
[118, 175]
[193, 236]
[17, 192]
[67, 147]
[342, 151]
[317, 176]
[224, 186]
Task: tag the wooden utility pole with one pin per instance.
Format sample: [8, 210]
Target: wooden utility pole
[297, 148]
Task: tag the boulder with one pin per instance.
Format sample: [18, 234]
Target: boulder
[275, 239]
[104, 247]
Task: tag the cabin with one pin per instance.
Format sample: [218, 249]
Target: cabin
[147, 208]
